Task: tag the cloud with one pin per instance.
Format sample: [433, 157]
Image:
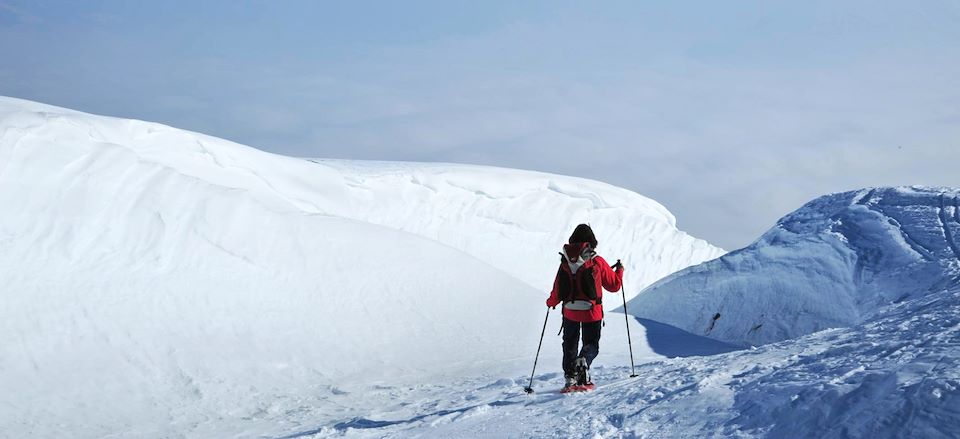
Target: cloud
[729, 118]
[729, 152]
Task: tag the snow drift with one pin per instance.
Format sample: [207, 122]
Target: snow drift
[516, 220]
[141, 298]
[832, 263]
[511, 219]
[157, 281]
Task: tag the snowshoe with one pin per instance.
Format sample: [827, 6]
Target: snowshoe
[581, 378]
[578, 388]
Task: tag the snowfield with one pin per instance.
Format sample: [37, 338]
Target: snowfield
[161, 283]
[833, 263]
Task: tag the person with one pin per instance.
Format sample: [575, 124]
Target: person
[579, 285]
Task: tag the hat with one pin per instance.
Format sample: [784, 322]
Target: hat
[583, 233]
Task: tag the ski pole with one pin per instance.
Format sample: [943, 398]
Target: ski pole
[529, 388]
[633, 372]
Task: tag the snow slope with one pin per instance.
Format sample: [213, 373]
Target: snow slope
[894, 373]
[141, 301]
[832, 263]
[157, 282]
[897, 375]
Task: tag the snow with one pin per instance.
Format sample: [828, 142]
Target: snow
[897, 375]
[832, 263]
[514, 220]
[158, 282]
[161, 283]
[483, 211]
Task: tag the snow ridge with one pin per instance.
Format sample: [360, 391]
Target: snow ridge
[486, 211]
[832, 263]
[476, 209]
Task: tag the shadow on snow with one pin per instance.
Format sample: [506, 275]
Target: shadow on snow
[663, 339]
[364, 423]
[671, 341]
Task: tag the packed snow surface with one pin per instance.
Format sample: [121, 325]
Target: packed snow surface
[157, 282]
[895, 376]
[833, 263]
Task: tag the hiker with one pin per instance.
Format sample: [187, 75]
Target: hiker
[579, 285]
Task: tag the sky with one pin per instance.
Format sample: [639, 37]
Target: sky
[731, 114]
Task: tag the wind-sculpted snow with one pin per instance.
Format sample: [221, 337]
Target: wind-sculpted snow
[516, 220]
[156, 282]
[511, 219]
[832, 263]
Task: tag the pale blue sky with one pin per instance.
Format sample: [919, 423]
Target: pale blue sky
[730, 113]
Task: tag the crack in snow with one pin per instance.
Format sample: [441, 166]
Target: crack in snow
[924, 252]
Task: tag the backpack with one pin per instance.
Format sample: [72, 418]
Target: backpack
[581, 285]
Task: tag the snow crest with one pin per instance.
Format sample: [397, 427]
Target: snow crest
[486, 212]
[832, 263]
[515, 220]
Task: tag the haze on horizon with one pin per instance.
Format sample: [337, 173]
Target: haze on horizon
[730, 114]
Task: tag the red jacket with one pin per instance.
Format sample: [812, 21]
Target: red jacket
[605, 278]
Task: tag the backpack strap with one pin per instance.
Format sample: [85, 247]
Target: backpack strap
[587, 283]
[564, 285]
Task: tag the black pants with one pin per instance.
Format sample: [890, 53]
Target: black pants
[571, 335]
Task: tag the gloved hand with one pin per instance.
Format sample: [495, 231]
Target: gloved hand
[618, 267]
[552, 303]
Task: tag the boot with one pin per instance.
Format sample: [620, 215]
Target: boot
[582, 371]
